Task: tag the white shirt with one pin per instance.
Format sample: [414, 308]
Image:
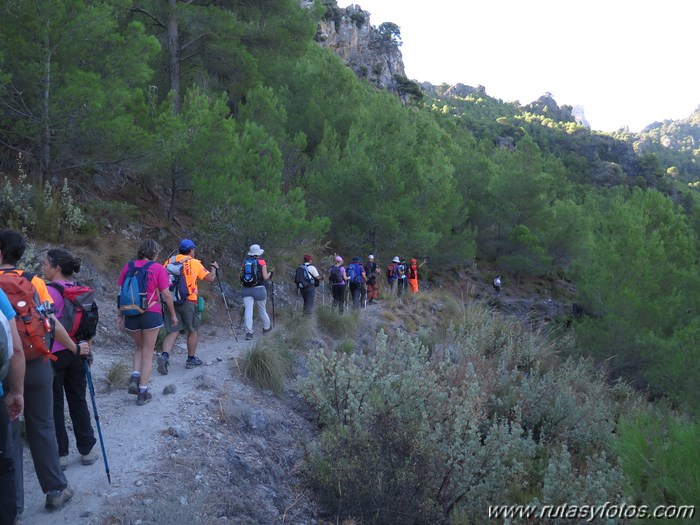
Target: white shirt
[313, 272]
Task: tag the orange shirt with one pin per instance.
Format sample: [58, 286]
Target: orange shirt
[193, 269]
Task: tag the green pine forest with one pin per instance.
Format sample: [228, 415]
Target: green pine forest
[231, 112]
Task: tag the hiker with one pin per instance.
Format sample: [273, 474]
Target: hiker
[69, 373]
[308, 291]
[371, 270]
[11, 408]
[401, 277]
[144, 327]
[413, 276]
[187, 315]
[497, 284]
[337, 279]
[392, 275]
[38, 391]
[356, 278]
[253, 276]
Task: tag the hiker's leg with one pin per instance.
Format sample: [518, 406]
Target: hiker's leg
[15, 448]
[192, 320]
[8, 504]
[308, 294]
[248, 302]
[137, 336]
[148, 343]
[171, 331]
[59, 372]
[75, 385]
[41, 432]
[262, 311]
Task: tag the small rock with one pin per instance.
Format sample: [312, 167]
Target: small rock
[183, 501]
[177, 432]
[170, 389]
[138, 483]
[85, 514]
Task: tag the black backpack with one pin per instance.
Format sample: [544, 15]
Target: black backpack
[303, 278]
[334, 275]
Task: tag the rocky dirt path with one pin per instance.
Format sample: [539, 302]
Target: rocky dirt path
[214, 436]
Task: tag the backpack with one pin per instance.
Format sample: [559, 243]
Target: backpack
[132, 300]
[355, 273]
[400, 270]
[80, 315]
[249, 272]
[390, 271]
[334, 275]
[33, 324]
[303, 278]
[6, 349]
[178, 283]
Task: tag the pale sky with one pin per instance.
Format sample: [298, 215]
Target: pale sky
[627, 62]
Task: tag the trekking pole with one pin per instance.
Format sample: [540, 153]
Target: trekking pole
[272, 294]
[97, 418]
[221, 288]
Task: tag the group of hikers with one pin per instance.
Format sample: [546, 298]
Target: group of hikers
[41, 371]
[360, 280]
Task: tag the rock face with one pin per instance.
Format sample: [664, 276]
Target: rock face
[372, 54]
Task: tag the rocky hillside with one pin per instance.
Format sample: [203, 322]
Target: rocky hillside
[371, 53]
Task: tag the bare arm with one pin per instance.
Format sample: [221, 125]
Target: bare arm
[62, 337]
[168, 300]
[211, 276]
[15, 397]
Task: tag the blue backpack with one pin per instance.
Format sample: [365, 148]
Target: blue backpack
[132, 300]
[178, 283]
[249, 272]
[355, 273]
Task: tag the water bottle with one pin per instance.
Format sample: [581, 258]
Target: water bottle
[200, 304]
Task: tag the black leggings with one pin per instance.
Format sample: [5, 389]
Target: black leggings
[8, 504]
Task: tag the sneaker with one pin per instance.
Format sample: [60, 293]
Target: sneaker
[55, 499]
[162, 364]
[134, 385]
[248, 336]
[64, 462]
[89, 458]
[193, 361]
[144, 397]
[265, 331]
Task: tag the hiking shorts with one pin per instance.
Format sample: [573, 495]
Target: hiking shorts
[188, 318]
[145, 321]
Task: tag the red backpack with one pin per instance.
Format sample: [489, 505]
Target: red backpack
[80, 315]
[32, 323]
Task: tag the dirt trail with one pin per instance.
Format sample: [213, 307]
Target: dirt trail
[142, 443]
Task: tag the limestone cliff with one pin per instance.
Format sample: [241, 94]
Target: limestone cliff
[373, 54]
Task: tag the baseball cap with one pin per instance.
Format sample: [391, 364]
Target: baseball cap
[187, 244]
[356, 259]
[307, 258]
[371, 257]
[338, 258]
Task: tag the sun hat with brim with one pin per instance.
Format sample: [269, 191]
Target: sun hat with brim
[371, 257]
[255, 250]
[338, 258]
[187, 244]
[396, 259]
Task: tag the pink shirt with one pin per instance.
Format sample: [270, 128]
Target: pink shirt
[156, 281]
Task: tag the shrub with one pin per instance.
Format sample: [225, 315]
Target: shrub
[337, 326]
[117, 375]
[267, 364]
[660, 455]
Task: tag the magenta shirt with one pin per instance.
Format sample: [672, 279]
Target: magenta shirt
[156, 281]
[58, 306]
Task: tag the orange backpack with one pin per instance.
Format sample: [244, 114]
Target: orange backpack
[33, 323]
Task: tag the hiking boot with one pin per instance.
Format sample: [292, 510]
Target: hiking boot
[89, 458]
[193, 361]
[248, 336]
[144, 397]
[266, 331]
[63, 460]
[134, 384]
[162, 364]
[55, 499]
